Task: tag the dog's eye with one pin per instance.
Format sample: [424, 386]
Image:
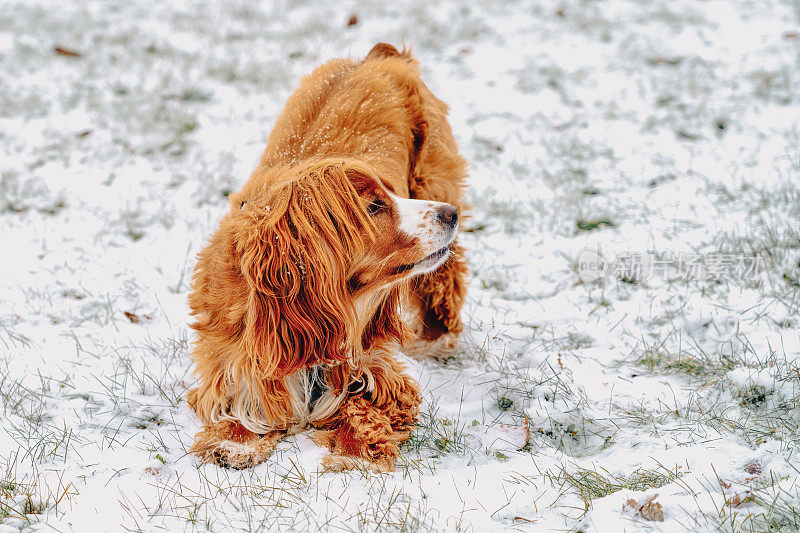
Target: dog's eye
[376, 206]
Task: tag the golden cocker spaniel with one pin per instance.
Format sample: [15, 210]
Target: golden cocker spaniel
[339, 251]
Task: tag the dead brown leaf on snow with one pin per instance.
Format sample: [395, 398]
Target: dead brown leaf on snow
[138, 319]
[64, 51]
[739, 498]
[650, 509]
[154, 471]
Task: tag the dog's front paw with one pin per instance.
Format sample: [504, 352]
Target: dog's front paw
[236, 455]
[340, 463]
[230, 445]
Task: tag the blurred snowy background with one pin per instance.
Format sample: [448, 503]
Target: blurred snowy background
[622, 128]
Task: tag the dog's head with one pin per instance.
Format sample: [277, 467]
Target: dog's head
[324, 251]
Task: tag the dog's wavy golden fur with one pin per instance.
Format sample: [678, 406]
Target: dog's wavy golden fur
[338, 252]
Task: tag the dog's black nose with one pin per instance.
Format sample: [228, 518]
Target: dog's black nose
[449, 215]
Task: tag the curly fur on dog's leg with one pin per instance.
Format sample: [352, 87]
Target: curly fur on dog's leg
[339, 463]
[336, 462]
[366, 433]
[368, 428]
[230, 445]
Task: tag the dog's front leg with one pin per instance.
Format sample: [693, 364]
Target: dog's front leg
[230, 444]
[436, 300]
[372, 422]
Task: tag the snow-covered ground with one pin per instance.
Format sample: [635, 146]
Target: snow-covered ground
[655, 136]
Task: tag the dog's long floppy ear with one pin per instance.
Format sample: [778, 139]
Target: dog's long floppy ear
[293, 244]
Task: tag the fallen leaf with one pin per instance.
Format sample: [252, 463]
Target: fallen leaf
[526, 446]
[661, 60]
[649, 510]
[353, 20]
[137, 319]
[64, 51]
[652, 511]
[738, 499]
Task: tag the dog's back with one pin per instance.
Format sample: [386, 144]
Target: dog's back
[376, 110]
